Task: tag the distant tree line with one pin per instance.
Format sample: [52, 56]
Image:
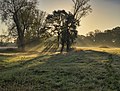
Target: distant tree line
[28, 24]
[2, 40]
[108, 38]
[5, 40]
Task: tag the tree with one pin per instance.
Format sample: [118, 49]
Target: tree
[80, 8]
[63, 25]
[55, 22]
[69, 32]
[39, 25]
[12, 11]
[34, 23]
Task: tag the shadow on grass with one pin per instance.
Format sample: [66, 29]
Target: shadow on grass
[84, 56]
[81, 56]
[74, 71]
[9, 50]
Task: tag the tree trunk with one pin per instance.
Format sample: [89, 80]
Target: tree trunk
[68, 41]
[21, 43]
[62, 47]
[58, 39]
[68, 46]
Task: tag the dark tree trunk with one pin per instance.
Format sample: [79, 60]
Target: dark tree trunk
[21, 43]
[68, 41]
[58, 39]
[68, 46]
[62, 47]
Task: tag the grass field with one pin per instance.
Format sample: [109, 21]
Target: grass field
[84, 69]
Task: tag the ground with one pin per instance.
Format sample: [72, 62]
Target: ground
[83, 69]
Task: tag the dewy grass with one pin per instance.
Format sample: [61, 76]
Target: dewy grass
[86, 70]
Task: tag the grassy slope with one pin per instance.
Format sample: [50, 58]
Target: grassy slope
[86, 69]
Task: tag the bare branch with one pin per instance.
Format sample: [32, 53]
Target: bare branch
[81, 8]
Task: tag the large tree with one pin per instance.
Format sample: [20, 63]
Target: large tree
[80, 9]
[34, 24]
[55, 22]
[69, 32]
[12, 12]
[65, 23]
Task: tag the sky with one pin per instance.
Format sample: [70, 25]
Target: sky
[105, 13]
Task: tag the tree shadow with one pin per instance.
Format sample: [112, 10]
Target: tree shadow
[82, 56]
[103, 54]
[75, 64]
[77, 56]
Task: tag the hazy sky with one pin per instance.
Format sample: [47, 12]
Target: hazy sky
[105, 14]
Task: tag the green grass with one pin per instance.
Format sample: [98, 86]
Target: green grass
[88, 69]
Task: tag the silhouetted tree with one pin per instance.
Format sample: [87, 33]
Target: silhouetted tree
[63, 24]
[69, 32]
[56, 21]
[80, 9]
[13, 11]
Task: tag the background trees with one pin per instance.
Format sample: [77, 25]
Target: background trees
[108, 38]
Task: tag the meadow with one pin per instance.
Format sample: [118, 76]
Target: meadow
[83, 69]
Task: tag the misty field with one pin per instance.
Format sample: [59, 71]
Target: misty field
[84, 69]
